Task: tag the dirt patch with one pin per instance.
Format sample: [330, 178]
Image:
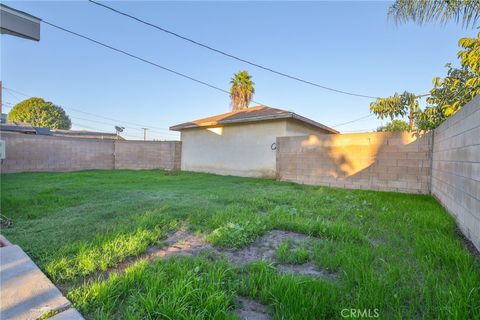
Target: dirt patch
[264, 248]
[180, 243]
[307, 269]
[186, 243]
[250, 310]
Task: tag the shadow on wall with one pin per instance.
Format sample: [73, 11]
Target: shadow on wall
[377, 161]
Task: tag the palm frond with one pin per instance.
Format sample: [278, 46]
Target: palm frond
[422, 11]
[241, 91]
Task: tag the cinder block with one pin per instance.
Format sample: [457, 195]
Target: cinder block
[410, 163]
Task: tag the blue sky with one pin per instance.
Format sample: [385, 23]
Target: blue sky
[351, 46]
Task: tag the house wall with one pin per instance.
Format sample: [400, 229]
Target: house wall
[377, 161]
[296, 128]
[240, 149]
[456, 168]
[25, 152]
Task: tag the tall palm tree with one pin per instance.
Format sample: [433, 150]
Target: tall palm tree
[242, 90]
[420, 11]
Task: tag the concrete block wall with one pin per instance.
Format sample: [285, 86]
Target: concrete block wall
[456, 168]
[147, 155]
[377, 161]
[25, 152]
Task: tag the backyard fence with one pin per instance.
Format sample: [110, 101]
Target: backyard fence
[456, 168]
[26, 152]
[376, 161]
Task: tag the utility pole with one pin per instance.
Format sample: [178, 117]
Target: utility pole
[145, 134]
[1, 101]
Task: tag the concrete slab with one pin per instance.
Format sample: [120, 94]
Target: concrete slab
[70, 314]
[4, 242]
[26, 292]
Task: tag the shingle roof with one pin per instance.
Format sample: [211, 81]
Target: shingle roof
[253, 114]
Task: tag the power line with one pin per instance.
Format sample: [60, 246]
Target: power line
[115, 120]
[81, 125]
[99, 130]
[229, 54]
[178, 73]
[136, 57]
[16, 91]
[96, 115]
[140, 125]
[13, 95]
[359, 130]
[151, 63]
[355, 120]
[10, 106]
[112, 124]
[87, 127]
[141, 59]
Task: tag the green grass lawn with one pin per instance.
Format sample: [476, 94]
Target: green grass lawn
[397, 253]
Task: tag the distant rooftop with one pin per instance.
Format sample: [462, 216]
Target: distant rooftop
[15, 126]
[253, 114]
[84, 134]
[27, 128]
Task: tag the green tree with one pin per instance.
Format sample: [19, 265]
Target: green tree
[398, 105]
[448, 96]
[456, 89]
[394, 126]
[241, 91]
[421, 11]
[40, 113]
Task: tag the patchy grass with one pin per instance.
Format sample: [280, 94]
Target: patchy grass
[102, 253]
[237, 235]
[286, 254]
[177, 289]
[393, 252]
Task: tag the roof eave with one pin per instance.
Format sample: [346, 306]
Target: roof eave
[226, 122]
[292, 115]
[313, 123]
[18, 23]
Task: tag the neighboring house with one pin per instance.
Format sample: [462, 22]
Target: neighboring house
[26, 128]
[241, 143]
[13, 126]
[85, 134]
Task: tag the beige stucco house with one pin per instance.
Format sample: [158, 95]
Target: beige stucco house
[241, 143]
